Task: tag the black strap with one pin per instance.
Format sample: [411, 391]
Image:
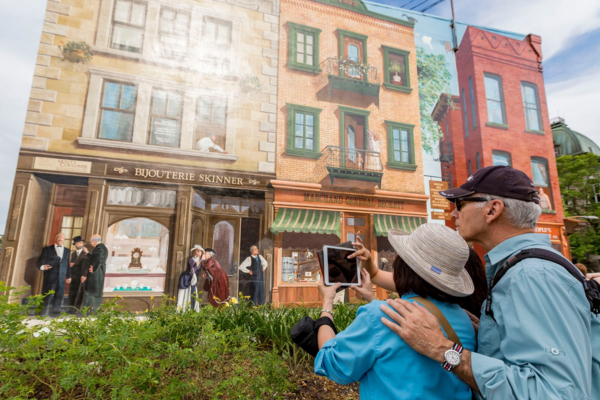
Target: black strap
[592, 288]
[325, 321]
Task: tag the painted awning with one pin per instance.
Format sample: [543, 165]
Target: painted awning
[383, 223]
[307, 221]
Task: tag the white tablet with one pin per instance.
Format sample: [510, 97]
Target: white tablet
[338, 268]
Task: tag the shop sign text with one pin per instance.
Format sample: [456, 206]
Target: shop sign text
[353, 201]
[187, 176]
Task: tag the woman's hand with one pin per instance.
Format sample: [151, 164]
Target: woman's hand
[365, 290]
[365, 257]
[327, 292]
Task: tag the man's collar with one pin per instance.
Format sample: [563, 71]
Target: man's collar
[499, 254]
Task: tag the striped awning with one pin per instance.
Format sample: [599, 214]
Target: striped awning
[307, 221]
[383, 223]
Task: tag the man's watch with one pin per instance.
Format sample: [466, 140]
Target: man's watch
[453, 357]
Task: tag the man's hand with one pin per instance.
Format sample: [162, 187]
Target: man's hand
[250, 272]
[68, 280]
[83, 278]
[224, 152]
[85, 250]
[417, 327]
[91, 270]
[46, 267]
[71, 265]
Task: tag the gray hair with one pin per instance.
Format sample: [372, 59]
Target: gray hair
[520, 214]
[253, 246]
[96, 239]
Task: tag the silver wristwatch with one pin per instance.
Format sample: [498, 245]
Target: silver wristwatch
[452, 357]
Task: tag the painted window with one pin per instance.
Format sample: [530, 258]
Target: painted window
[477, 161]
[173, 32]
[117, 111]
[303, 52]
[531, 105]
[129, 20]
[165, 126]
[501, 158]
[303, 131]
[472, 98]
[71, 227]
[400, 145]
[211, 119]
[353, 56]
[396, 69]
[469, 168]
[223, 245]
[217, 31]
[495, 99]
[541, 180]
[466, 119]
[351, 143]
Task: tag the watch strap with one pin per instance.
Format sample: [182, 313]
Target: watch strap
[447, 366]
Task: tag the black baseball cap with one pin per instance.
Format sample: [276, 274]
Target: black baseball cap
[497, 180]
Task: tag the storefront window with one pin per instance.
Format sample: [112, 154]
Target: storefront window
[299, 256]
[138, 249]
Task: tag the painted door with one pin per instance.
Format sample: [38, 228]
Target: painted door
[356, 224]
[224, 239]
[354, 131]
[69, 221]
[353, 52]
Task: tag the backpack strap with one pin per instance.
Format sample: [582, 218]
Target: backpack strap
[592, 288]
[428, 304]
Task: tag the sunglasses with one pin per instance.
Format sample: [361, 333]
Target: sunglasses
[458, 203]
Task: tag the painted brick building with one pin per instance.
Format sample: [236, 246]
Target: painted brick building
[348, 136]
[501, 118]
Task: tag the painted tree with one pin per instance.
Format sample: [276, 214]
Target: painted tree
[434, 79]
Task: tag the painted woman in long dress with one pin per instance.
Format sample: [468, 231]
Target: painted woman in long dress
[188, 282]
[216, 284]
[373, 161]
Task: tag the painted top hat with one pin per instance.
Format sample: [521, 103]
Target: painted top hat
[77, 239]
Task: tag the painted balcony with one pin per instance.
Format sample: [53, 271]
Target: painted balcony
[354, 164]
[350, 76]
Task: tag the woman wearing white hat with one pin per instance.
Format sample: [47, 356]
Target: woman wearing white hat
[429, 270]
[188, 282]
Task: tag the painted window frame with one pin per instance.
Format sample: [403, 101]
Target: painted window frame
[465, 114]
[537, 109]
[102, 108]
[477, 162]
[392, 163]
[544, 161]
[386, 64]
[165, 51]
[292, 109]
[502, 153]
[114, 23]
[294, 28]
[472, 99]
[498, 78]
[469, 168]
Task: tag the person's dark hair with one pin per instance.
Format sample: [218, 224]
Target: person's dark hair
[476, 270]
[211, 251]
[408, 281]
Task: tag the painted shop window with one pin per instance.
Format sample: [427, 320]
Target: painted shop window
[469, 168]
[400, 146]
[465, 117]
[541, 180]
[217, 31]
[477, 162]
[165, 126]
[472, 98]
[303, 131]
[129, 20]
[71, 227]
[299, 263]
[117, 111]
[173, 32]
[223, 244]
[303, 48]
[495, 99]
[501, 158]
[211, 119]
[531, 104]
[138, 250]
[396, 69]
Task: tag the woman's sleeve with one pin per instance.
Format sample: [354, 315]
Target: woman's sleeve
[345, 358]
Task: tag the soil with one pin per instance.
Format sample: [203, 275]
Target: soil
[312, 387]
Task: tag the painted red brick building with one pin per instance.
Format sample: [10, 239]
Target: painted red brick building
[501, 118]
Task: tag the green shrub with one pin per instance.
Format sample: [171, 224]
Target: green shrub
[236, 352]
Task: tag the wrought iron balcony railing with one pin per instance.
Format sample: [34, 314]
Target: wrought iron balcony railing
[348, 163]
[344, 74]
[446, 152]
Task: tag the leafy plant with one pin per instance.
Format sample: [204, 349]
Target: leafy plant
[352, 67]
[77, 52]
[250, 83]
[396, 67]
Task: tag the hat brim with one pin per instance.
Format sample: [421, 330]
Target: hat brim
[456, 193]
[460, 286]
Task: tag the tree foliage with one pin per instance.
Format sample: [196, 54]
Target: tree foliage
[434, 79]
[579, 177]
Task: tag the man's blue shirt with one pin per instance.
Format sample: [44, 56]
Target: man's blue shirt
[544, 336]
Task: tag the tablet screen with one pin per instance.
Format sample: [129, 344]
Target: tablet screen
[340, 268]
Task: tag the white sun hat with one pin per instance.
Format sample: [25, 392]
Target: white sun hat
[437, 254]
[196, 247]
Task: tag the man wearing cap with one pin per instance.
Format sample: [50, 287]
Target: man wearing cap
[79, 265]
[540, 340]
[54, 263]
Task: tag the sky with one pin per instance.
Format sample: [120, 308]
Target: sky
[570, 32]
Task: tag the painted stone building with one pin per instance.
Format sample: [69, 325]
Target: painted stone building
[348, 137]
[151, 123]
[501, 118]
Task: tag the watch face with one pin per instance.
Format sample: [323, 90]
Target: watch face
[136, 255]
[452, 357]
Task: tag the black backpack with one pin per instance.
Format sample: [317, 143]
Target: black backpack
[592, 288]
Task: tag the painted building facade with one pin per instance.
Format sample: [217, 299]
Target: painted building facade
[501, 118]
[348, 137]
[151, 123]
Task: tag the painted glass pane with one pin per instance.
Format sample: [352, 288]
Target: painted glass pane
[309, 120]
[309, 144]
[112, 91]
[495, 112]
[127, 38]
[540, 173]
[159, 103]
[174, 105]
[353, 53]
[138, 14]
[309, 131]
[500, 159]
[116, 125]
[492, 88]
[122, 9]
[165, 132]
[128, 97]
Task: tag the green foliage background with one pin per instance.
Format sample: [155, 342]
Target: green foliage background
[434, 79]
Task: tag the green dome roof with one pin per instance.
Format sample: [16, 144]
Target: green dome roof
[570, 142]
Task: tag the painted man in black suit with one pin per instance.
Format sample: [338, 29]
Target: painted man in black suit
[80, 263]
[94, 284]
[54, 262]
